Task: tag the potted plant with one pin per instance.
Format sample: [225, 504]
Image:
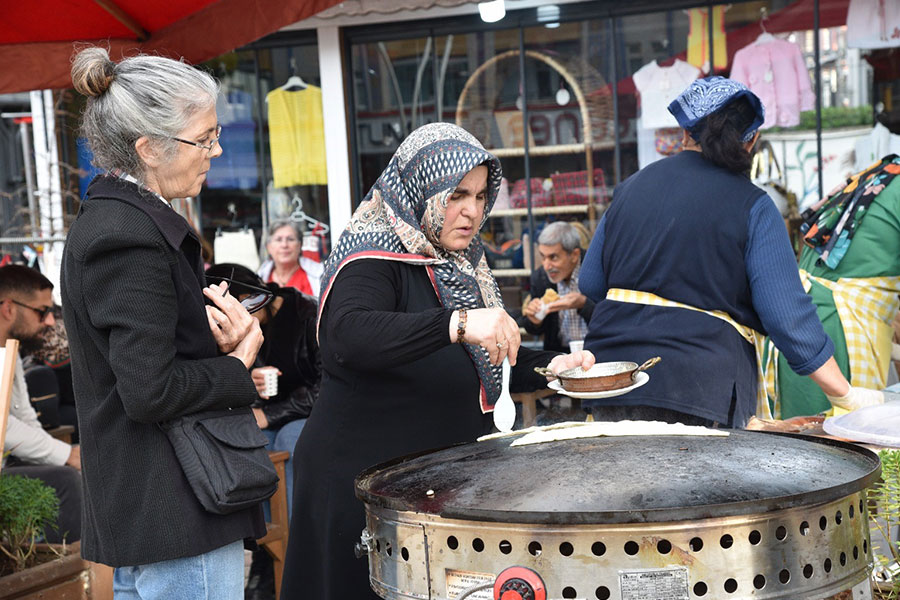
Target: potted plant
[29, 568]
[884, 504]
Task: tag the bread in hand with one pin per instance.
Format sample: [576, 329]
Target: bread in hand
[549, 296]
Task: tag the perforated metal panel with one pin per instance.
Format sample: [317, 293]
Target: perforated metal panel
[811, 552]
[749, 515]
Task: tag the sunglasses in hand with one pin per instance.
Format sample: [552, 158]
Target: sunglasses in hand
[251, 297]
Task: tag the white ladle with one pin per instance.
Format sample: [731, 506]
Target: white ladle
[504, 409]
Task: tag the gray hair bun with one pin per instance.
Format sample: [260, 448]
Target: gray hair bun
[93, 71]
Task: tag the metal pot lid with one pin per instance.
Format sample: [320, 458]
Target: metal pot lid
[634, 479]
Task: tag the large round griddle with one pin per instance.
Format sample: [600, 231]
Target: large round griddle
[633, 479]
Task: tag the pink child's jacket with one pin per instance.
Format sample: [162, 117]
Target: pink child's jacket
[775, 71]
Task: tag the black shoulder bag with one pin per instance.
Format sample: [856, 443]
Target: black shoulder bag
[224, 458]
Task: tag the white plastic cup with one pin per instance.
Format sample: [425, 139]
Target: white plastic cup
[271, 378]
[576, 346]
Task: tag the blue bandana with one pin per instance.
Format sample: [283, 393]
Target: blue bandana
[705, 96]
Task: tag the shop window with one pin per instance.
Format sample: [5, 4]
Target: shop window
[270, 112]
[394, 85]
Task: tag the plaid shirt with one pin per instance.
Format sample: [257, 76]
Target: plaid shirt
[572, 327]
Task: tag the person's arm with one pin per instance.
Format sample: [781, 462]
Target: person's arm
[591, 278]
[25, 438]
[537, 286]
[361, 324]
[523, 377]
[785, 309]
[134, 306]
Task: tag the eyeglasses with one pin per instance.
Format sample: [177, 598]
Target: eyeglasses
[41, 312]
[208, 147]
[281, 240]
[251, 297]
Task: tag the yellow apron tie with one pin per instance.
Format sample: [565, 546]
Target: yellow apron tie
[752, 336]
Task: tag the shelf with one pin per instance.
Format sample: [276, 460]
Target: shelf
[511, 272]
[550, 150]
[570, 209]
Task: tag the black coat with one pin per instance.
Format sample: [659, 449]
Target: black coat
[393, 384]
[549, 327]
[290, 344]
[142, 353]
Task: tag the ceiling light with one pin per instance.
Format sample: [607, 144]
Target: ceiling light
[548, 13]
[493, 11]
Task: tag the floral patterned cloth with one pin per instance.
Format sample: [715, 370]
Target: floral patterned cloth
[829, 226]
[402, 216]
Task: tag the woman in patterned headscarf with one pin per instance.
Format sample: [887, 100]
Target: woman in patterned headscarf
[412, 332]
[692, 262]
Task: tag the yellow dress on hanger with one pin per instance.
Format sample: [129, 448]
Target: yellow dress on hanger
[297, 137]
[698, 38]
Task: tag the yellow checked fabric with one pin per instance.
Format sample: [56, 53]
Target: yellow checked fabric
[866, 306]
[751, 335]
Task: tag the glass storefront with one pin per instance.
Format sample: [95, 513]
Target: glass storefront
[258, 180]
[571, 98]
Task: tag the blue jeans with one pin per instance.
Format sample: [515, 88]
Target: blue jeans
[215, 575]
[285, 438]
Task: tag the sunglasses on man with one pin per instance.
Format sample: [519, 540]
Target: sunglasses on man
[251, 297]
[41, 312]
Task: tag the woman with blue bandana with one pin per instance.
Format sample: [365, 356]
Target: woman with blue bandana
[692, 263]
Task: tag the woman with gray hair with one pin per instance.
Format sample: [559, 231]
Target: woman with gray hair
[286, 265]
[145, 347]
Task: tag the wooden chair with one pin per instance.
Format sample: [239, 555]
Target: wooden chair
[276, 538]
[7, 372]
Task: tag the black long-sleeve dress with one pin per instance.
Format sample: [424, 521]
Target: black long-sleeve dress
[393, 384]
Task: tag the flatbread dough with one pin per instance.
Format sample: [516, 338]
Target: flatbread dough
[574, 430]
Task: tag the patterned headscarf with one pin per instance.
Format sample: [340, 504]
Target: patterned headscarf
[402, 216]
[705, 96]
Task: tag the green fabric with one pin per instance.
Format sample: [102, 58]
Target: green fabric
[875, 252]
[837, 221]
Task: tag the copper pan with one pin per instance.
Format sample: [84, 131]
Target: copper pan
[601, 377]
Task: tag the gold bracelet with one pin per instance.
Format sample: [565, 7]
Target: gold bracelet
[461, 327]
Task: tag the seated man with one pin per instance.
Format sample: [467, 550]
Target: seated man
[561, 319]
[25, 313]
[48, 370]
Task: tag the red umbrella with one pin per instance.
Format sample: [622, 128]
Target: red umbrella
[37, 37]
